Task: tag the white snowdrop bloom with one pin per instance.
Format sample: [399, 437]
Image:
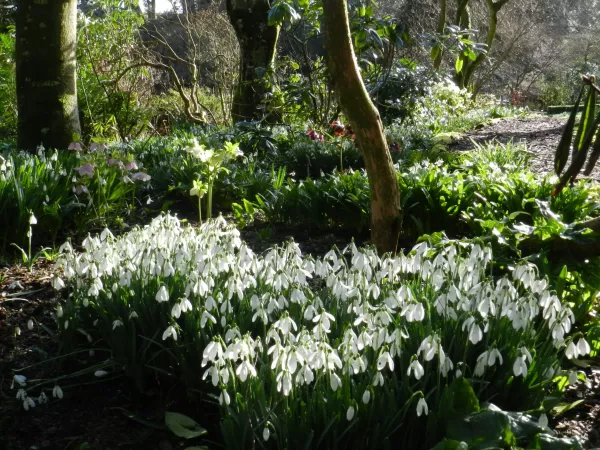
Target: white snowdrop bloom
[170, 332]
[480, 365]
[28, 402]
[520, 366]
[494, 355]
[266, 434]
[32, 220]
[57, 283]
[133, 315]
[57, 392]
[422, 407]
[100, 373]
[206, 316]
[66, 324]
[162, 295]
[385, 359]
[583, 347]
[366, 397]
[335, 381]
[245, 369]
[415, 368]
[543, 421]
[21, 394]
[59, 311]
[117, 323]
[350, 413]
[176, 310]
[573, 377]
[30, 324]
[571, 350]
[224, 398]
[21, 380]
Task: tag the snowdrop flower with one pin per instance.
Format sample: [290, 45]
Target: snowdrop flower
[520, 366]
[30, 324]
[57, 283]
[32, 219]
[583, 348]
[28, 403]
[350, 413]
[224, 398]
[21, 380]
[59, 311]
[162, 295]
[386, 359]
[170, 332]
[571, 351]
[74, 146]
[422, 407]
[543, 421]
[117, 323]
[416, 368]
[366, 397]
[266, 434]
[57, 392]
[100, 373]
[141, 176]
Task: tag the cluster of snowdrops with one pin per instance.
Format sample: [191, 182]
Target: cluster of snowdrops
[287, 341]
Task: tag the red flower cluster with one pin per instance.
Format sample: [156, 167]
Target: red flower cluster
[394, 147]
[314, 136]
[339, 129]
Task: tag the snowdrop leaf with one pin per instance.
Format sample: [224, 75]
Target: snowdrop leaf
[183, 426]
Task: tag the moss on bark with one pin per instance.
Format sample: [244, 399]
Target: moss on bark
[46, 34]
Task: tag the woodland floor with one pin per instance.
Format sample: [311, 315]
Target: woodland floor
[93, 413]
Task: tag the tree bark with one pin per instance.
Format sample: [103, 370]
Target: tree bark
[46, 37]
[258, 45]
[437, 50]
[365, 120]
[463, 78]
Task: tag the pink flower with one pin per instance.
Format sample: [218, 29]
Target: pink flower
[140, 176]
[338, 127]
[314, 136]
[131, 166]
[113, 162]
[75, 146]
[87, 169]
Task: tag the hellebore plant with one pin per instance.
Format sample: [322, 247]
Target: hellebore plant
[199, 190]
[213, 161]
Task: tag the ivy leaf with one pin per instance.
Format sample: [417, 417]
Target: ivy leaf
[183, 426]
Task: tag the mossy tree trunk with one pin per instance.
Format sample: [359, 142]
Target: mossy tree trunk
[464, 77]
[437, 52]
[366, 123]
[258, 46]
[46, 37]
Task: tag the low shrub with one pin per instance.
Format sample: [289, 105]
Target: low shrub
[346, 351]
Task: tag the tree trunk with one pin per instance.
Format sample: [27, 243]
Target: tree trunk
[46, 38]
[258, 45]
[463, 78]
[364, 118]
[437, 52]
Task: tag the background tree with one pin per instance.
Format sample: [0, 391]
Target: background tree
[258, 45]
[46, 36]
[366, 123]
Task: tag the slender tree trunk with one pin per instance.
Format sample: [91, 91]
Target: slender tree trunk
[258, 45]
[151, 9]
[46, 77]
[366, 123]
[437, 52]
[463, 78]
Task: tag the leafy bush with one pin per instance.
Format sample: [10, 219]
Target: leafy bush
[65, 191]
[8, 91]
[305, 352]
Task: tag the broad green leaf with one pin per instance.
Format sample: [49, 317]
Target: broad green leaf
[459, 64]
[562, 151]
[183, 426]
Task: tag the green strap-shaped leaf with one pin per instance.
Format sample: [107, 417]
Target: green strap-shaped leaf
[578, 158]
[594, 155]
[562, 151]
[183, 426]
[587, 119]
